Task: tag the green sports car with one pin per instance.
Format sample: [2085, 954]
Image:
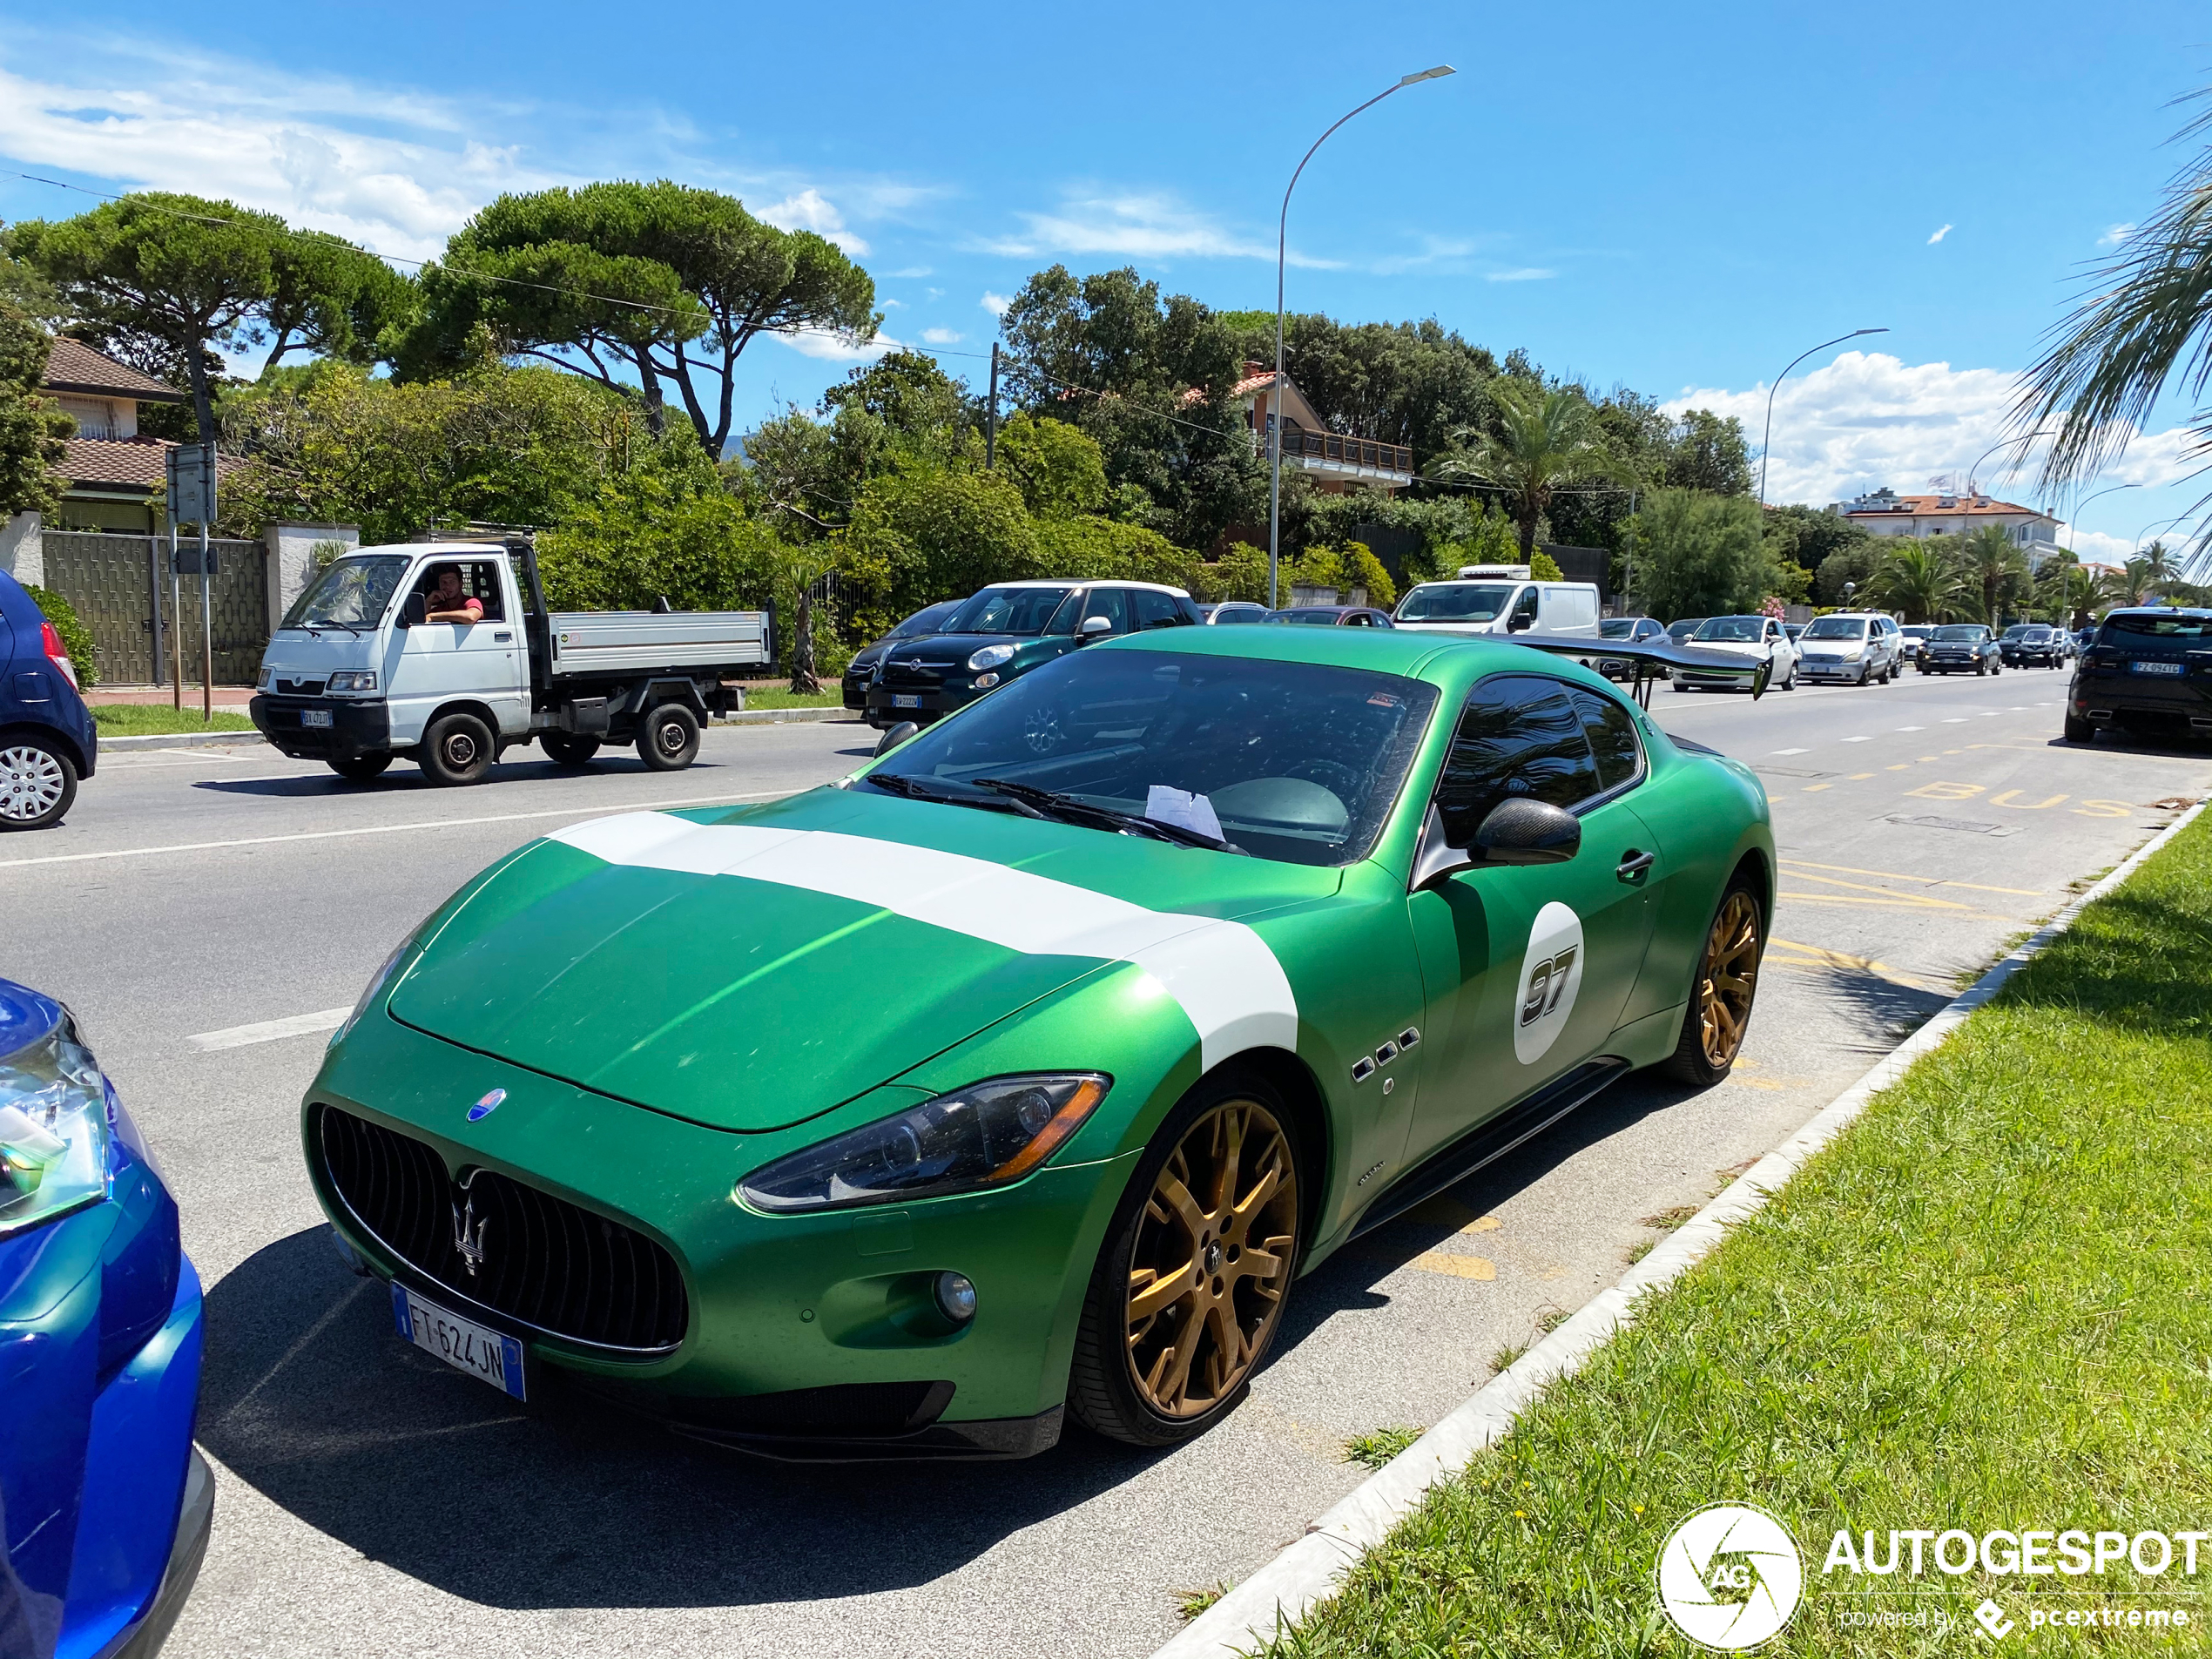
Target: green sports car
[1180, 961]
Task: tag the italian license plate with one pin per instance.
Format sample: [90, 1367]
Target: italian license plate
[462, 1344]
[315, 717]
[899, 702]
[2153, 668]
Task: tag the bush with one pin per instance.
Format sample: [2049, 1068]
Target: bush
[1239, 573]
[76, 639]
[1544, 568]
[923, 533]
[1099, 550]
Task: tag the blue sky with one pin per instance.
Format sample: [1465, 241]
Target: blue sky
[1678, 199]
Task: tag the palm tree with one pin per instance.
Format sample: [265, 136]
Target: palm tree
[1545, 437]
[2148, 321]
[2067, 591]
[2160, 572]
[1919, 581]
[1993, 567]
[2129, 586]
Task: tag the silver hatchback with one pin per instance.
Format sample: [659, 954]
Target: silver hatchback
[1852, 647]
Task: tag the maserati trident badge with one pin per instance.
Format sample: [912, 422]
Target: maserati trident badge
[486, 1106]
[468, 1236]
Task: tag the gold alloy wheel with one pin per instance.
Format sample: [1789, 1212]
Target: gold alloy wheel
[1727, 978]
[1212, 1259]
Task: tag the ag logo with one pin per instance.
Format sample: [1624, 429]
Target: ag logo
[1550, 976]
[1730, 1576]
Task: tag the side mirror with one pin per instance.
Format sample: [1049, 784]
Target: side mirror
[412, 611]
[897, 735]
[1092, 628]
[1527, 832]
[1519, 623]
[1435, 858]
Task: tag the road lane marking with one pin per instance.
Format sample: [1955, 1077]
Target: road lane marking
[1475, 1267]
[1956, 719]
[1913, 728]
[1858, 776]
[1858, 739]
[1787, 752]
[241, 1037]
[1860, 886]
[1818, 956]
[391, 829]
[1814, 789]
[1902, 902]
[1899, 875]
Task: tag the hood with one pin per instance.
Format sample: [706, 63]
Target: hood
[1729, 647]
[297, 654]
[954, 649]
[1448, 627]
[747, 968]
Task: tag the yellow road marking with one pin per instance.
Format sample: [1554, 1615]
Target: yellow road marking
[1856, 776]
[1437, 1261]
[1900, 903]
[1818, 956]
[1918, 899]
[1899, 875]
[1814, 789]
[1902, 765]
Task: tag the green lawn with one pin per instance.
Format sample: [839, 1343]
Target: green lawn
[1984, 1306]
[159, 720]
[782, 698]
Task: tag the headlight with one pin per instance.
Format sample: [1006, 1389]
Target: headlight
[991, 657]
[376, 984]
[53, 1131]
[268, 679]
[983, 1135]
[351, 679]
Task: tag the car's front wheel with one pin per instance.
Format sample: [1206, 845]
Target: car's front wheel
[1189, 1289]
[37, 783]
[1721, 996]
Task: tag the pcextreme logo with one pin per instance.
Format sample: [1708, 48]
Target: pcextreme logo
[1730, 1576]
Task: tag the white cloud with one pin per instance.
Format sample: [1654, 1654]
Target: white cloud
[1939, 236]
[1519, 273]
[837, 349]
[892, 305]
[1137, 224]
[942, 336]
[996, 304]
[1868, 419]
[910, 271]
[2115, 234]
[809, 211]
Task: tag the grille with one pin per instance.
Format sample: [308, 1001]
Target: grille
[300, 688]
[915, 676]
[547, 1263]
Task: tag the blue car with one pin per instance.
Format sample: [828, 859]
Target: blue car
[47, 739]
[105, 1505]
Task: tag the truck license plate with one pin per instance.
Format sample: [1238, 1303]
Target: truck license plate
[315, 717]
[462, 1344]
[899, 702]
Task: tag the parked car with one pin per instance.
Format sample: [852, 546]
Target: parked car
[106, 1505]
[1002, 632]
[1506, 606]
[1852, 647]
[1234, 610]
[1148, 939]
[1752, 637]
[2147, 671]
[1682, 628]
[1795, 629]
[1961, 648]
[1333, 615]
[2033, 644]
[47, 739]
[861, 669]
[1635, 629]
[1917, 635]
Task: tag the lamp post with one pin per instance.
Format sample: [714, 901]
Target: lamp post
[2002, 443]
[1275, 395]
[1767, 436]
[2074, 523]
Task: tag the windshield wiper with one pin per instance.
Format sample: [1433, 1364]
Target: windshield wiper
[1075, 807]
[899, 784]
[331, 622]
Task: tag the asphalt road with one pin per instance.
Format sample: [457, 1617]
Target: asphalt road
[374, 1503]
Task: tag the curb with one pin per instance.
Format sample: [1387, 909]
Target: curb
[781, 716]
[1305, 1572]
[228, 740]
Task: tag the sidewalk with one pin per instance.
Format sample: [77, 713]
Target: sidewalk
[226, 697]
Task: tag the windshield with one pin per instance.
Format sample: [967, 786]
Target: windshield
[1456, 601]
[1616, 628]
[1686, 627]
[1918, 631]
[1008, 611]
[1297, 762]
[1837, 628]
[1738, 628]
[353, 592]
[1962, 630]
[2015, 631]
[925, 621]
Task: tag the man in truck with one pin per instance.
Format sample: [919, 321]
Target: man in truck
[444, 600]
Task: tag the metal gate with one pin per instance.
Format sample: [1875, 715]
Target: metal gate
[109, 582]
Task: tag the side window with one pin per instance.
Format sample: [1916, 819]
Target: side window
[1155, 609]
[1064, 619]
[1519, 737]
[1356, 619]
[1612, 736]
[1188, 609]
[477, 579]
[1111, 604]
[1524, 607]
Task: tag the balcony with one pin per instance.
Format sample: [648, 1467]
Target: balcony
[1331, 457]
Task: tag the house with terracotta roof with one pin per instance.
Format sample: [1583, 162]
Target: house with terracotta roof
[114, 470]
[1883, 512]
[1335, 463]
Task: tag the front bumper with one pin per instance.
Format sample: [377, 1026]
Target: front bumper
[358, 726]
[888, 705]
[195, 1520]
[1809, 669]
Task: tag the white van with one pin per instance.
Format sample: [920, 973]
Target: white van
[1503, 606]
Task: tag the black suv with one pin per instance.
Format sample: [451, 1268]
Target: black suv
[2032, 643]
[2149, 672]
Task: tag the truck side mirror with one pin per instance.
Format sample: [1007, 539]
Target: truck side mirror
[413, 609]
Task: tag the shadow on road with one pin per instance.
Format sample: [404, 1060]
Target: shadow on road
[310, 1398]
[405, 780]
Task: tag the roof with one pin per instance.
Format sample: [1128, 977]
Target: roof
[1087, 581]
[1930, 507]
[72, 366]
[137, 463]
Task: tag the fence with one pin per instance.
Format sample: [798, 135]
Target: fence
[111, 583]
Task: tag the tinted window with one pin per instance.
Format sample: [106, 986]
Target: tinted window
[1519, 737]
[1618, 628]
[1007, 610]
[1837, 628]
[925, 621]
[1524, 608]
[1155, 609]
[2157, 636]
[1111, 604]
[1612, 736]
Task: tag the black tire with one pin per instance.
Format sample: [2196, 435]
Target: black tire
[669, 740]
[566, 749]
[1694, 1061]
[2078, 730]
[361, 769]
[457, 749]
[37, 783]
[1103, 1390]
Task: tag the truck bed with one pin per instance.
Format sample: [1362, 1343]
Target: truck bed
[594, 642]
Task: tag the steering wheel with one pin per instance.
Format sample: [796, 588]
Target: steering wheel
[1339, 779]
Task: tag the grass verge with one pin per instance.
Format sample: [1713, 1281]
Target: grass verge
[773, 697]
[159, 720]
[1981, 1307]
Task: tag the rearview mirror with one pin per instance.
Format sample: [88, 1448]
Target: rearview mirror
[897, 735]
[1528, 831]
[413, 609]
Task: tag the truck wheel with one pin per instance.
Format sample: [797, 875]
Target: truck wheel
[457, 749]
[566, 749]
[668, 741]
[36, 784]
[361, 769]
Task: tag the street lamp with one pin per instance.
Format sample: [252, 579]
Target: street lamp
[2002, 443]
[1275, 399]
[2074, 523]
[1767, 435]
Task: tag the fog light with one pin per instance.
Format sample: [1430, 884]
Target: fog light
[984, 682]
[956, 1296]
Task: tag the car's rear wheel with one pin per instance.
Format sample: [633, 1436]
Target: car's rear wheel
[2078, 730]
[361, 769]
[1189, 1289]
[457, 749]
[37, 784]
[566, 749]
[1721, 994]
[668, 741]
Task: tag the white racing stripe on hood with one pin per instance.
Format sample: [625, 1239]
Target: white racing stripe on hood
[1221, 973]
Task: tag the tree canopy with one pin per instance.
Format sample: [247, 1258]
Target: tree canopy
[32, 429]
[1543, 438]
[1699, 555]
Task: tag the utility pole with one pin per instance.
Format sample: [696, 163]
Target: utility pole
[206, 629]
[991, 418]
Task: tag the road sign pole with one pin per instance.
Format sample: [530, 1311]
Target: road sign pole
[206, 633]
[176, 624]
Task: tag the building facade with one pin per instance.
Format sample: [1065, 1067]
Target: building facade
[1886, 513]
[1336, 463]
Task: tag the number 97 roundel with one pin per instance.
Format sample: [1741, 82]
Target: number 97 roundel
[1551, 974]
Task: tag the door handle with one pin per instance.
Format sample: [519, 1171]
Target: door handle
[1632, 864]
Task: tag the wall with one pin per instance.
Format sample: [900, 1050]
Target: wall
[23, 553]
[292, 563]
